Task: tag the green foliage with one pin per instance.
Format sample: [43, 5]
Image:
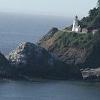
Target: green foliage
[67, 39]
[86, 22]
[99, 3]
[96, 22]
[93, 13]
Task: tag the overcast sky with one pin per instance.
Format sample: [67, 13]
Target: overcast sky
[48, 7]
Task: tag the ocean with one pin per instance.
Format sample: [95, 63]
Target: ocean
[15, 29]
[49, 90]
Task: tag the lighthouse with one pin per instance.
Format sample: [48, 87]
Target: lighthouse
[76, 26]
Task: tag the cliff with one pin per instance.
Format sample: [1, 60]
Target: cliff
[82, 49]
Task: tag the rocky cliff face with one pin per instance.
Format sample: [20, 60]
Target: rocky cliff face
[74, 48]
[33, 61]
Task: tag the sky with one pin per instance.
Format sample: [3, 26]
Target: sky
[65, 8]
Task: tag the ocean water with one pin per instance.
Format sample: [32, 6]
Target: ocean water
[49, 90]
[26, 28]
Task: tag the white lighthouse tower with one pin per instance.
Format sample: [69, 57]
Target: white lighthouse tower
[76, 27]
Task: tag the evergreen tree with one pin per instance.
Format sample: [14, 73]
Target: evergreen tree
[99, 6]
[99, 3]
[93, 18]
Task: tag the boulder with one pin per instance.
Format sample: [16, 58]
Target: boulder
[91, 74]
[32, 61]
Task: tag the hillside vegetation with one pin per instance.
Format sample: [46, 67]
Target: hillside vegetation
[74, 48]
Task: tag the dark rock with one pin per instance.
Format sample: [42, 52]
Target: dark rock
[33, 61]
[50, 33]
[4, 67]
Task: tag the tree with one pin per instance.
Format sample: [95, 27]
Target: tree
[87, 21]
[99, 3]
[93, 13]
[93, 18]
[99, 6]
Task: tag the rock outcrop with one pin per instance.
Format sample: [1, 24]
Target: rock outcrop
[91, 74]
[33, 61]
